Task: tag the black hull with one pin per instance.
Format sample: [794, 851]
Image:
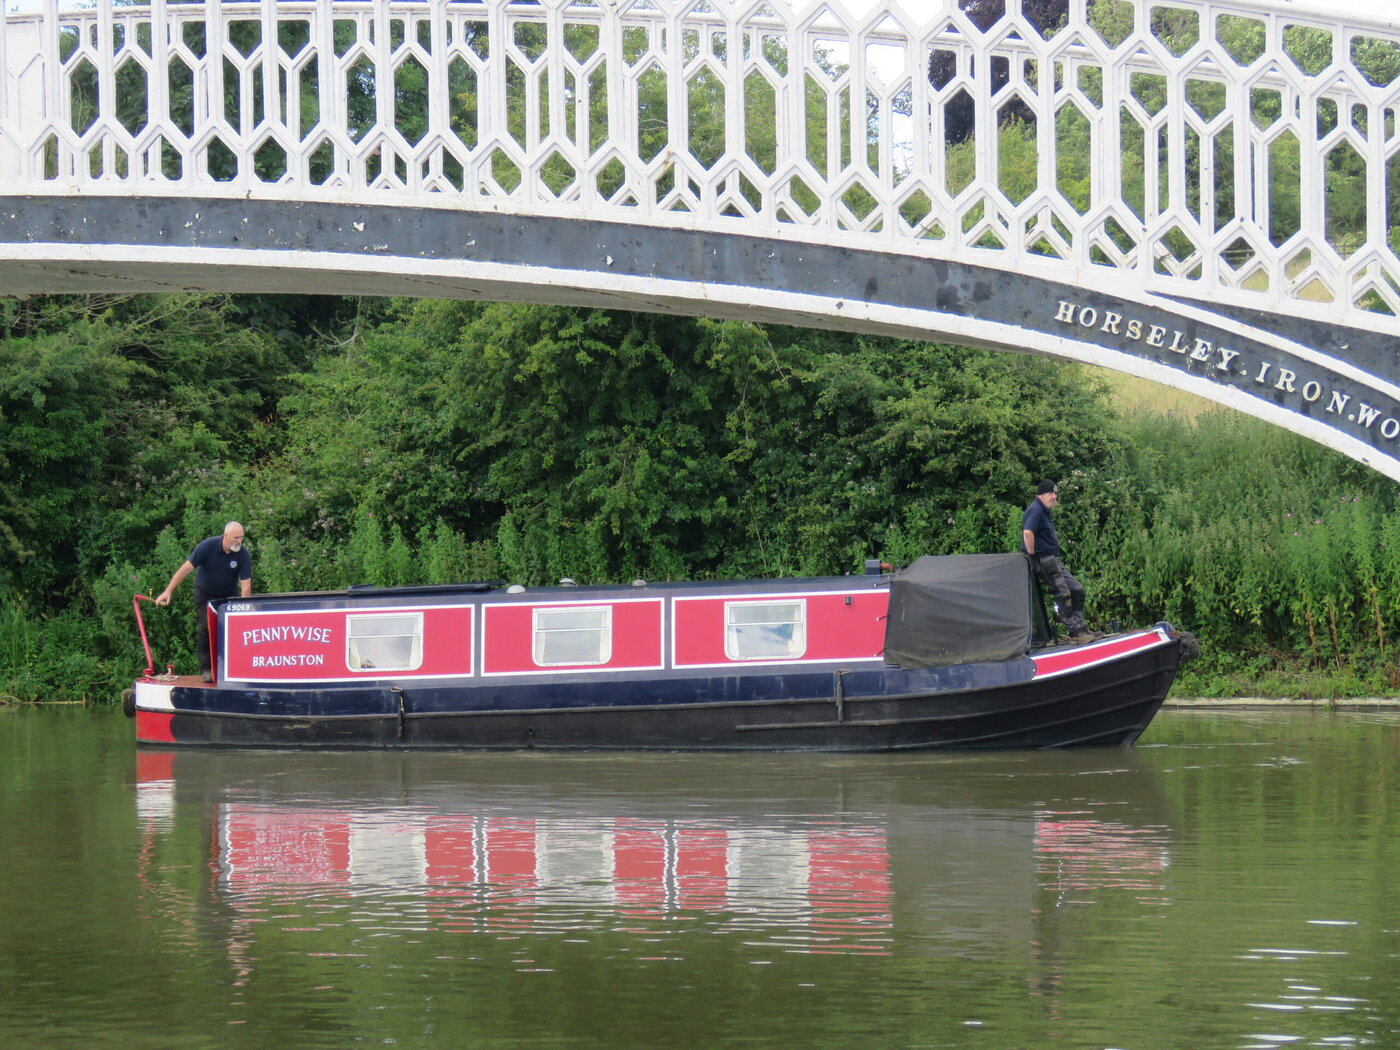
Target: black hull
[1106, 704]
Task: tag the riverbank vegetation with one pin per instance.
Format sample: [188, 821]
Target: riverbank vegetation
[400, 442]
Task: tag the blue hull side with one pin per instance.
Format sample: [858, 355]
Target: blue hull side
[878, 709]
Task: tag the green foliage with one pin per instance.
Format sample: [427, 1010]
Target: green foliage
[601, 445]
[140, 408]
[1112, 19]
[48, 658]
[1281, 558]
[56, 395]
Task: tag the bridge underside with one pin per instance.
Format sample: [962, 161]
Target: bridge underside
[1338, 386]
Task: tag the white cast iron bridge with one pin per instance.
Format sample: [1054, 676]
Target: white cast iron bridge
[1205, 193]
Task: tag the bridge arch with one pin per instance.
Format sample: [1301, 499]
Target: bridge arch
[1228, 231]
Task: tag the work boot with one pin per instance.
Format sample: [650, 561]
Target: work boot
[1083, 637]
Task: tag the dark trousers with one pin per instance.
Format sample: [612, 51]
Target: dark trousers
[1068, 592]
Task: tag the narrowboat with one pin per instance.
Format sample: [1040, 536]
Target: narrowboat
[950, 652]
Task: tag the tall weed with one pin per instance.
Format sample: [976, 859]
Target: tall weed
[1263, 544]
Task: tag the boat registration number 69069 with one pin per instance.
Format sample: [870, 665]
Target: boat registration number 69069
[237, 607]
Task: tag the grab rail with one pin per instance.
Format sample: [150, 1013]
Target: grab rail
[150, 670]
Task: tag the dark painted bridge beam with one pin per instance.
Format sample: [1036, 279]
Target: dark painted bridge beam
[1337, 386]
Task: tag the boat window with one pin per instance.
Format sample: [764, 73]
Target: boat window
[573, 635]
[765, 630]
[385, 642]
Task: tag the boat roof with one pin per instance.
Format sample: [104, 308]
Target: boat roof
[499, 590]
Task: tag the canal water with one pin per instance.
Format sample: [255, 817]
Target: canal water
[1229, 883]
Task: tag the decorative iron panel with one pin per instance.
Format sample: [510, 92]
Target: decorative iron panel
[1232, 151]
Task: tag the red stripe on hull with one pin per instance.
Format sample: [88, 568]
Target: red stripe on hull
[153, 727]
[1083, 656]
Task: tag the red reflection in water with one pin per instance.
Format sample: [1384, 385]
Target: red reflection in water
[1078, 854]
[822, 889]
[495, 874]
[267, 847]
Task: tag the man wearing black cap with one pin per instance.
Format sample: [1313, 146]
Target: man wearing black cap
[1043, 546]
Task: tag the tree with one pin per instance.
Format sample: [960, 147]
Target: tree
[604, 445]
[121, 412]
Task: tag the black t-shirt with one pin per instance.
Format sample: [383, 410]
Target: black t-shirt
[217, 571]
[1037, 520]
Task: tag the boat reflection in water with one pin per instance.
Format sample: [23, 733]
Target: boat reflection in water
[809, 853]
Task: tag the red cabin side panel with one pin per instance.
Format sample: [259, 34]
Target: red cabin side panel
[311, 645]
[835, 629]
[509, 637]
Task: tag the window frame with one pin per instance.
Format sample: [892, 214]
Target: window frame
[415, 652]
[731, 648]
[539, 633]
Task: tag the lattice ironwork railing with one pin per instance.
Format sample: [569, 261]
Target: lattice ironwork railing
[1235, 150]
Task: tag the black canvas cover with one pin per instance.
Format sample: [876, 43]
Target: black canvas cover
[963, 608]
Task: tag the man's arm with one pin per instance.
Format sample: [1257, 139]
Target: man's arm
[163, 598]
[245, 587]
[1028, 540]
